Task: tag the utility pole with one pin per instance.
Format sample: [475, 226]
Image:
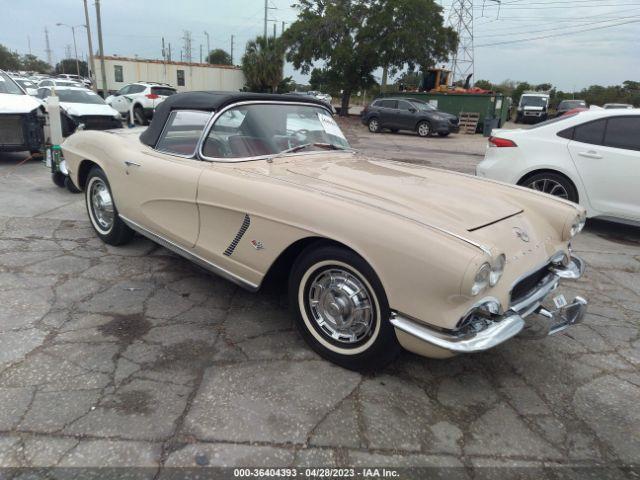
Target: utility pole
[29, 43]
[169, 56]
[75, 46]
[92, 63]
[266, 13]
[48, 49]
[231, 49]
[275, 33]
[282, 31]
[101, 50]
[206, 34]
[200, 53]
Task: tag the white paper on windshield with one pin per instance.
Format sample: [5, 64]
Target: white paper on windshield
[330, 126]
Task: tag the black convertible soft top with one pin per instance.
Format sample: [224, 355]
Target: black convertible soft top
[209, 101]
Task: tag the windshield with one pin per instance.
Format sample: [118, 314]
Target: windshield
[425, 107]
[268, 129]
[569, 104]
[79, 96]
[26, 83]
[527, 101]
[9, 86]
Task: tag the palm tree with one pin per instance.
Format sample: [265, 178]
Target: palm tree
[263, 63]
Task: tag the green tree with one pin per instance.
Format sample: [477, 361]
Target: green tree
[31, 63]
[543, 87]
[484, 84]
[319, 79]
[519, 90]
[355, 37]
[68, 65]
[263, 63]
[8, 59]
[219, 57]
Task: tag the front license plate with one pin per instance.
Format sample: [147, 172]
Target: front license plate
[559, 301]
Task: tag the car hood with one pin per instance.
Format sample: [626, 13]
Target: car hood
[422, 194]
[82, 109]
[17, 103]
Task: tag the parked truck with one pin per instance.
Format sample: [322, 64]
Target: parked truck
[533, 107]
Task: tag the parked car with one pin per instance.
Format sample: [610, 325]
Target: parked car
[80, 106]
[568, 105]
[408, 114]
[144, 96]
[617, 105]
[590, 158]
[533, 107]
[325, 97]
[378, 254]
[76, 78]
[21, 118]
[56, 82]
[27, 85]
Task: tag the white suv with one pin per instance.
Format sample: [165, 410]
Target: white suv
[144, 97]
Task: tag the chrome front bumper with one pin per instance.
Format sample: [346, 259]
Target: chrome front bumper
[500, 328]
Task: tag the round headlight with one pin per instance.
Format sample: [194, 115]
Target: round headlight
[497, 270]
[576, 226]
[481, 280]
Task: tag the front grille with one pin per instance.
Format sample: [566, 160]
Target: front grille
[99, 122]
[529, 284]
[11, 130]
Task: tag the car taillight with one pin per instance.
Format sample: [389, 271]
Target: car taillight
[501, 142]
[152, 96]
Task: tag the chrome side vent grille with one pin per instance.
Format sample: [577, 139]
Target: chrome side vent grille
[243, 229]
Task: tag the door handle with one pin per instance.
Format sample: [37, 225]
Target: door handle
[590, 154]
[131, 164]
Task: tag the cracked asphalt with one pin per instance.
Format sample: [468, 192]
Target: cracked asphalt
[132, 356]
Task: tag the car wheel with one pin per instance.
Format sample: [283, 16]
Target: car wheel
[341, 309]
[102, 210]
[443, 134]
[374, 125]
[424, 129]
[68, 183]
[138, 114]
[553, 184]
[58, 178]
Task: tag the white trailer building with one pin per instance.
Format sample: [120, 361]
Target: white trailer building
[181, 75]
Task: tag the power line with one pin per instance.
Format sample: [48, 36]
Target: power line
[556, 34]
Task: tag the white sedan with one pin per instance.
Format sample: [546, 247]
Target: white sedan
[591, 158]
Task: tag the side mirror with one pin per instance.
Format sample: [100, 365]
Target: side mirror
[412, 110]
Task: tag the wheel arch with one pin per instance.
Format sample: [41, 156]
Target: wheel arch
[84, 168]
[421, 120]
[532, 173]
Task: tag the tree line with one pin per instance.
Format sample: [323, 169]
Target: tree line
[627, 92]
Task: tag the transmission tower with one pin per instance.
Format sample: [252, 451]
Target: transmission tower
[461, 20]
[48, 49]
[186, 49]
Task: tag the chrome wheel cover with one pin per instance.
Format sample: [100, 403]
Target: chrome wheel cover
[373, 125]
[101, 205]
[341, 306]
[549, 186]
[423, 129]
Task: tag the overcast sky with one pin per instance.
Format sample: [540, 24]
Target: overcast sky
[597, 55]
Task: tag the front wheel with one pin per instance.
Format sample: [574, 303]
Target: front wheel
[341, 309]
[553, 184]
[374, 125]
[424, 129]
[102, 210]
[138, 114]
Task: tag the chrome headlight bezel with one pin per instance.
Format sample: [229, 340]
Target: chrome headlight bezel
[497, 269]
[574, 226]
[481, 279]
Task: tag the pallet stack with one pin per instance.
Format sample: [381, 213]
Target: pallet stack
[469, 122]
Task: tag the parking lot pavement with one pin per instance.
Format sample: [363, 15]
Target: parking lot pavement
[133, 356]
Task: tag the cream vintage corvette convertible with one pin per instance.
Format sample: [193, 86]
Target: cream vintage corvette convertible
[379, 254]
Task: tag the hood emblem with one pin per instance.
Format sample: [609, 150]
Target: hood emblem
[521, 234]
[257, 244]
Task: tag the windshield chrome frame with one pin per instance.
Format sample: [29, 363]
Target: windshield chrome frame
[217, 114]
[194, 155]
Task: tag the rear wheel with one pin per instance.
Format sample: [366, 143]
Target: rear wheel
[58, 178]
[424, 129]
[102, 210]
[553, 184]
[341, 309]
[374, 125]
[138, 114]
